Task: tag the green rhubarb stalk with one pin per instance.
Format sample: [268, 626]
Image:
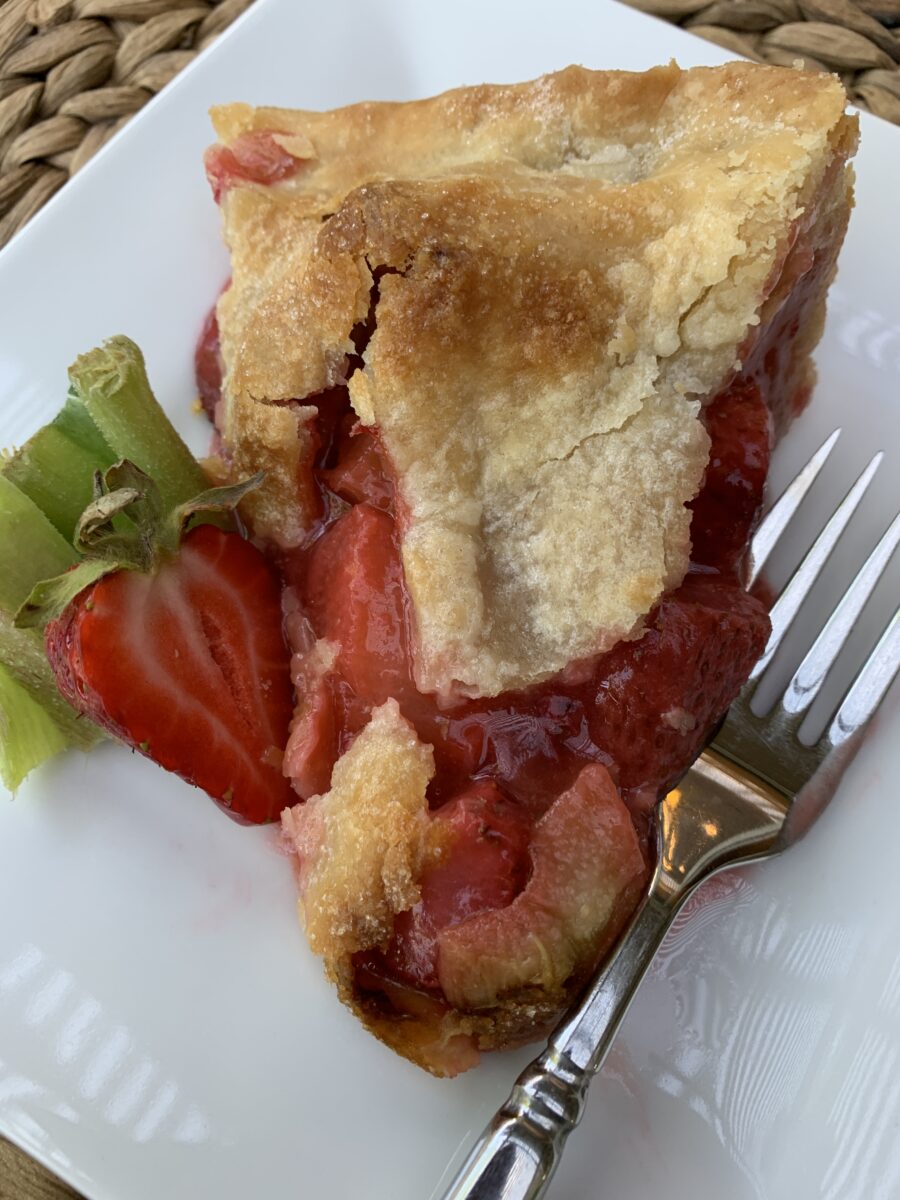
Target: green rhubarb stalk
[28, 734]
[30, 547]
[55, 468]
[111, 382]
[22, 655]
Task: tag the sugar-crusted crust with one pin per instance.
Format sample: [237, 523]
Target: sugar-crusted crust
[572, 265]
[362, 844]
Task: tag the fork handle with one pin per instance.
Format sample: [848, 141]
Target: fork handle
[716, 816]
[518, 1152]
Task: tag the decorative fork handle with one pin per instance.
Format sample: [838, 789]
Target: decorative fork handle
[702, 826]
[520, 1149]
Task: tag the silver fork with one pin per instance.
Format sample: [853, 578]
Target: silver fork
[750, 794]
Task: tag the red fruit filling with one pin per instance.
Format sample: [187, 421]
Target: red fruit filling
[484, 867]
[254, 157]
[643, 710]
[208, 365]
[644, 707]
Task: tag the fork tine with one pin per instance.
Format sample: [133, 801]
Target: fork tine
[810, 675]
[869, 687]
[788, 603]
[779, 515]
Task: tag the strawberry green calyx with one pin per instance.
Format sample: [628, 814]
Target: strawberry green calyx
[30, 547]
[110, 414]
[126, 527]
[35, 721]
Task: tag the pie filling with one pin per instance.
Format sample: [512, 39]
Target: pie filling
[511, 771]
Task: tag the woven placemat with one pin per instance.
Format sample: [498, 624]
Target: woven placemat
[857, 39]
[72, 72]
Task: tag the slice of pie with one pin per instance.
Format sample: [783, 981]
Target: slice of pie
[512, 360]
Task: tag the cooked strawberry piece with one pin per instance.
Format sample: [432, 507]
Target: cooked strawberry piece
[354, 596]
[208, 364]
[587, 875]
[312, 746]
[254, 157]
[351, 584]
[655, 700]
[533, 742]
[726, 509]
[360, 473]
[189, 666]
[483, 865]
[644, 712]
[334, 415]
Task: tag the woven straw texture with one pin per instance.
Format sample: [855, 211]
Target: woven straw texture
[857, 39]
[72, 72]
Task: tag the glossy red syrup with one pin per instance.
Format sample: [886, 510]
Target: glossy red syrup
[643, 708]
[208, 365]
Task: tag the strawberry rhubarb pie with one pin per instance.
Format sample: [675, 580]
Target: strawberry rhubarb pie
[505, 368]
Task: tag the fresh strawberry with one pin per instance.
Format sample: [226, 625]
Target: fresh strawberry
[254, 157]
[176, 645]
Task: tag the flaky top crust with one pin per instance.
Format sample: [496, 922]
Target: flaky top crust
[559, 273]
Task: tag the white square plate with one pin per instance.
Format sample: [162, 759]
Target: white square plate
[164, 1031]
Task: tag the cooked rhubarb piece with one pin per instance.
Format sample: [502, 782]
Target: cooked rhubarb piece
[258, 156]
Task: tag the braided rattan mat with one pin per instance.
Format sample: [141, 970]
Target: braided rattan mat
[72, 72]
[857, 39]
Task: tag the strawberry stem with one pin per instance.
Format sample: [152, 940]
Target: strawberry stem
[111, 382]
